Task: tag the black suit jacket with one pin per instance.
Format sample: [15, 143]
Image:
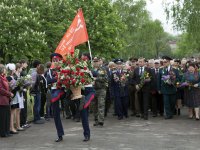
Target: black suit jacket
[136, 78]
[154, 82]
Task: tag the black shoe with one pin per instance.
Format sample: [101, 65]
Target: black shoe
[120, 118]
[12, 132]
[179, 112]
[114, 114]
[154, 115]
[96, 124]
[137, 115]
[175, 112]
[3, 136]
[168, 117]
[126, 116]
[197, 119]
[132, 115]
[145, 117]
[59, 139]
[68, 117]
[87, 138]
[161, 114]
[101, 124]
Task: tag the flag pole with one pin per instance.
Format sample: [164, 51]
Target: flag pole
[90, 50]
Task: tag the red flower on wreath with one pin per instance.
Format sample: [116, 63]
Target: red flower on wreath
[78, 69]
[82, 80]
[81, 74]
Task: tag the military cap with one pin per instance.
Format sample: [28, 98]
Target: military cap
[55, 55]
[166, 58]
[118, 61]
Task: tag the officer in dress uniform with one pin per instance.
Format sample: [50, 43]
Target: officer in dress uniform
[56, 94]
[120, 89]
[168, 89]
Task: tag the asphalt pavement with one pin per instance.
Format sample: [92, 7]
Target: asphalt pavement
[179, 133]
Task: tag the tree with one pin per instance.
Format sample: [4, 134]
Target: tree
[186, 48]
[45, 22]
[185, 15]
[20, 33]
[143, 36]
[134, 15]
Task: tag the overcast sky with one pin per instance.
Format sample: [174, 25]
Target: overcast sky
[156, 9]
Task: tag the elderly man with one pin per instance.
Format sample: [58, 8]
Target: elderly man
[142, 87]
[167, 88]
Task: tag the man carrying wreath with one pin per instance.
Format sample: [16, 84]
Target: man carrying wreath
[56, 94]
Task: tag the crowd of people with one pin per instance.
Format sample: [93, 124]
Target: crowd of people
[162, 86]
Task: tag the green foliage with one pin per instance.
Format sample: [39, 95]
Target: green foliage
[20, 32]
[185, 47]
[144, 37]
[185, 15]
[33, 29]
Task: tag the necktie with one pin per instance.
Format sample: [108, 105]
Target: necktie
[167, 70]
[156, 71]
[140, 70]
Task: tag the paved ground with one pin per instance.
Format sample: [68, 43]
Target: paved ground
[129, 134]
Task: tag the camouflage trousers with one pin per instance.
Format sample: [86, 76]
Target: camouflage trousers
[99, 105]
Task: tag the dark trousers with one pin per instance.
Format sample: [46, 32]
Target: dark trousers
[132, 98]
[85, 122]
[68, 112]
[108, 101]
[43, 101]
[4, 120]
[89, 93]
[23, 114]
[74, 106]
[143, 98]
[169, 104]
[49, 107]
[37, 106]
[157, 103]
[122, 106]
[57, 120]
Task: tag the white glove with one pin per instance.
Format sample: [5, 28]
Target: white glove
[137, 87]
[196, 85]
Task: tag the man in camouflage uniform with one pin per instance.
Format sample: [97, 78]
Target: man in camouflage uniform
[100, 86]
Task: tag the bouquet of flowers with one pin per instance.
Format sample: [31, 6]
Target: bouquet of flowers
[21, 82]
[187, 84]
[13, 84]
[73, 72]
[144, 79]
[170, 78]
[124, 77]
[115, 76]
[24, 81]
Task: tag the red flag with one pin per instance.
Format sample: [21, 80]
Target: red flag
[75, 35]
